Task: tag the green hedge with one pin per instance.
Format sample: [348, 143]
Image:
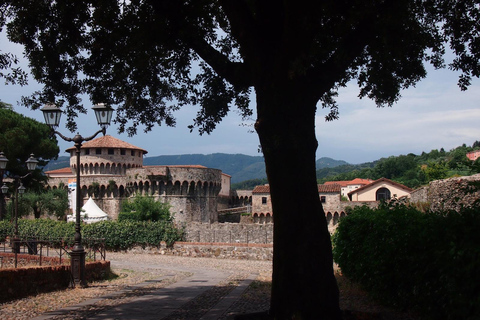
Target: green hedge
[405, 258]
[118, 235]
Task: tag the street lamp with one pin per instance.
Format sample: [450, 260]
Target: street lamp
[19, 189]
[52, 115]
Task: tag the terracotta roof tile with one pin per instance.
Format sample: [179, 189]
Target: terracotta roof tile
[109, 142]
[399, 185]
[62, 170]
[322, 188]
[341, 183]
[262, 189]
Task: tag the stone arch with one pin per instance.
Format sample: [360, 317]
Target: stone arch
[329, 218]
[103, 190]
[121, 191]
[335, 218]
[198, 188]
[382, 194]
[184, 188]
[205, 189]
[191, 189]
[102, 168]
[255, 218]
[147, 189]
[176, 190]
[262, 218]
[268, 218]
[84, 191]
[342, 214]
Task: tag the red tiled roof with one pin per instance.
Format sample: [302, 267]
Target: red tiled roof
[262, 189]
[341, 183]
[360, 181]
[399, 185]
[62, 170]
[109, 142]
[347, 183]
[322, 188]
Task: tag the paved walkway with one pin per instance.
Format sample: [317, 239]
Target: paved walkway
[171, 302]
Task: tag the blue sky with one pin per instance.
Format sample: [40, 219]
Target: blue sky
[433, 115]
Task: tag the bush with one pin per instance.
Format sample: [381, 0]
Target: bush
[144, 208]
[118, 235]
[409, 259]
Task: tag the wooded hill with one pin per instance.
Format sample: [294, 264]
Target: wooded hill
[411, 170]
[241, 167]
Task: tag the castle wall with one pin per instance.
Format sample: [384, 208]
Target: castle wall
[448, 194]
[192, 191]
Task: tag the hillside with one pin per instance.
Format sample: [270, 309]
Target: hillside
[241, 167]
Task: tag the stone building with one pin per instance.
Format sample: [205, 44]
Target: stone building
[381, 189]
[262, 205]
[112, 170]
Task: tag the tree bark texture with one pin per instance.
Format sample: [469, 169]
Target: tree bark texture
[303, 285]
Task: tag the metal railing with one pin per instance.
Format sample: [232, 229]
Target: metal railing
[48, 248]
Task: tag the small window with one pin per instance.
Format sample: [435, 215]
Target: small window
[122, 152]
[132, 152]
[111, 151]
[87, 151]
[323, 199]
[264, 200]
[98, 151]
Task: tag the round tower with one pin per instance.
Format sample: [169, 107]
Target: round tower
[107, 156]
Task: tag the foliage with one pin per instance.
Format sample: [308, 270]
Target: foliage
[118, 235]
[144, 208]
[52, 202]
[414, 260]
[411, 170]
[153, 57]
[249, 184]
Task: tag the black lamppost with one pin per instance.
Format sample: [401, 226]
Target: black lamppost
[19, 189]
[52, 115]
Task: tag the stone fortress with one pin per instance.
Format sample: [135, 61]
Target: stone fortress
[112, 170]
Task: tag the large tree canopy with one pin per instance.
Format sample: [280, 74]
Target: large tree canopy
[21, 136]
[151, 57]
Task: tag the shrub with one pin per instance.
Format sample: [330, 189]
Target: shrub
[414, 260]
[144, 208]
[118, 235]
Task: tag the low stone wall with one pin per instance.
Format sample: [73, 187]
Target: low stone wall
[447, 194]
[241, 251]
[229, 233]
[21, 282]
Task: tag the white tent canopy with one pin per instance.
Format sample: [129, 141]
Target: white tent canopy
[90, 213]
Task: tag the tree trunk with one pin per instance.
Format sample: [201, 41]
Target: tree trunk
[303, 285]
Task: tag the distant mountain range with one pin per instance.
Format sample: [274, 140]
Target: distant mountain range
[241, 167]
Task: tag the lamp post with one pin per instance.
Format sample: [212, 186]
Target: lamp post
[52, 116]
[19, 189]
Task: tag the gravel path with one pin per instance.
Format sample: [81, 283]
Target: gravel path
[143, 276]
[139, 275]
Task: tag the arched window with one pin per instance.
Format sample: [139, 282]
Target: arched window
[383, 194]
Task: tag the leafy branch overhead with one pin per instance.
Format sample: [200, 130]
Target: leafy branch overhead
[153, 57]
